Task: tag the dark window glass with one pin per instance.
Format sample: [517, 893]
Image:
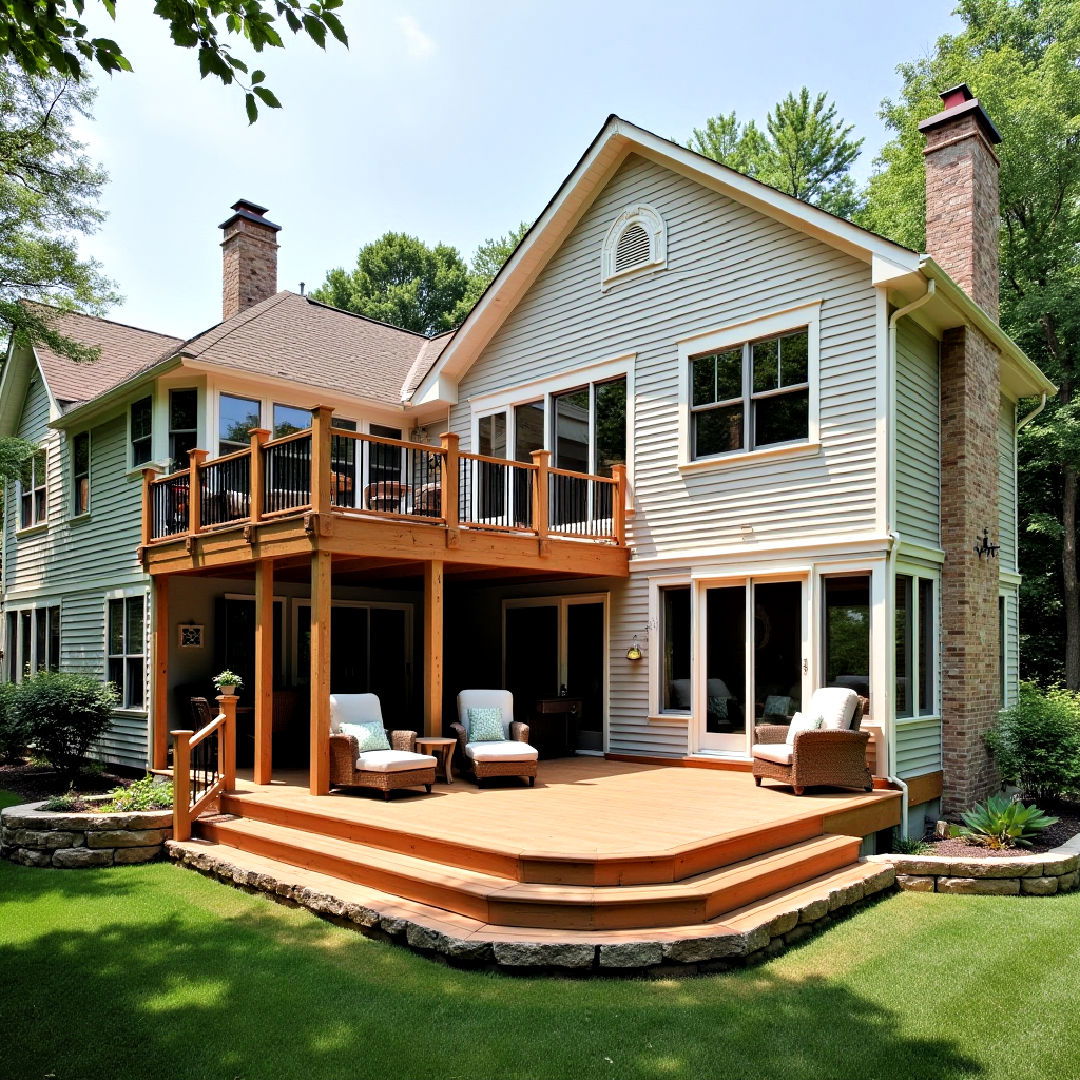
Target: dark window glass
[725, 660]
[343, 424]
[386, 462]
[572, 430]
[927, 646]
[794, 358]
[183, 425]
[1001, 652]
[766, 364]
[903, 645]
[490, 495]
[32, 491]
[141, 425]
[675, 692]
[236, 417]
[781, 418]
[847, 633]
[12, 646]
[54, 638]
[40, 659]
[528, 429]
[116, 627]
[26, 631]
[716, 431]
[80, 470]
[610, 435]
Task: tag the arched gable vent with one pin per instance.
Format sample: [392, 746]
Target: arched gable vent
[636, 241]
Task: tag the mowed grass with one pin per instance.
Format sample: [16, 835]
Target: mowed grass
[157, 971]
[9, 798]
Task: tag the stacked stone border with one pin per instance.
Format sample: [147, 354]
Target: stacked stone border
[1042, 874]
[31, 836]
[704, 952]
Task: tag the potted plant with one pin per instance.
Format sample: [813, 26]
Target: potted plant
[227, 683]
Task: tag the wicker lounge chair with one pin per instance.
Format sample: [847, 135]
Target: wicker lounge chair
[833, 755]
[384, 770]
[510, 756]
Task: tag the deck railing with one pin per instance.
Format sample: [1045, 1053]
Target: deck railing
[204, 765]
[324, 469]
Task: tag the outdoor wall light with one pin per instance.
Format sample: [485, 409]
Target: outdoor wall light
[634, 652]
[984, 547]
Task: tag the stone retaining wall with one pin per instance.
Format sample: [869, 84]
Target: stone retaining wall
[35, 837]
[1040, 874]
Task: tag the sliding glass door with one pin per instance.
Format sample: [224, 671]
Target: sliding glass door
[754, 651]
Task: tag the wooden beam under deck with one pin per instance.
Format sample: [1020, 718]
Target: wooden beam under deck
[264, 670]
[319, 783]
[434, 607]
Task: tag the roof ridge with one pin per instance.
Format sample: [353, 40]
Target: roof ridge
[249, 314]
[368, 318]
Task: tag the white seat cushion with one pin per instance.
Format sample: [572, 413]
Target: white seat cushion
[778, 752]
[835, 706]
[393, 761]
[501, 750]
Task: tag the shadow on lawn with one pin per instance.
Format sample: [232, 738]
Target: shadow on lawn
[189, 994]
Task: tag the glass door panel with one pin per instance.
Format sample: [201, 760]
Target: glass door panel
[349, 671]
[532, 655]
[778, 650]
[528, 436]
[724, 726]
[585, 669]
[490, 496]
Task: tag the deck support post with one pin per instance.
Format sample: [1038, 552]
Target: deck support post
[264, 670]
[322, 417]
[159, 673]
[433, 647]
[319, 783]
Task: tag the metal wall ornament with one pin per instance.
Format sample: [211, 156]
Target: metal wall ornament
[983, 547]
[190, 635]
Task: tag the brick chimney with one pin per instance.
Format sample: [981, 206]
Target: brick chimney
[962, 223]
[963, 209]
[249, 253]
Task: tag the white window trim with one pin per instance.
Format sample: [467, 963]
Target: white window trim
[650, 220]
[37, 524]
[150, 462]
[916, 572]
[123, 594]
[777, 322]
[72, 516]
[655, 651]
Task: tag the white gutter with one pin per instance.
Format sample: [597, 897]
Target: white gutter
[1031, 415]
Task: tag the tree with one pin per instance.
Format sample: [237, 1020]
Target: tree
[804, 150]
[48, 37]
[489, 256]
[1022, 60]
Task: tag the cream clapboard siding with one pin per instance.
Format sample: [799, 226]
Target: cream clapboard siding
[76, 562]
[1007, 486]
[918, 746]
[726, 264]
[918, 436]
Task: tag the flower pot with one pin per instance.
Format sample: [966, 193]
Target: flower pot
[227, 691]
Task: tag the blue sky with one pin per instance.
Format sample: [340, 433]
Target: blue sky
[449, 121]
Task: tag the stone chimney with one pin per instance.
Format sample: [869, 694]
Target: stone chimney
[249, 253]
[962, 223]
[963, 209]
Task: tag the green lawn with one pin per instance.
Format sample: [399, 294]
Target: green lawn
[153, 970]
[9, 798]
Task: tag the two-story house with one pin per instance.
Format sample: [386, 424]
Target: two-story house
[699, 449]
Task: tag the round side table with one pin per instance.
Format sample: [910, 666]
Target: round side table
[442, 749]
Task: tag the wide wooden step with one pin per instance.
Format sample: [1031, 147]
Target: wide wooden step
[530, 862]
[489, 898]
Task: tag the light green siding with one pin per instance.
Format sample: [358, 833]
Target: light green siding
[918, 746]
[1011, 650]
[918, 436]
[1007, 485]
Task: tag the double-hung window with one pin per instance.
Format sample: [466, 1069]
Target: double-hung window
[183, 425]
[126, 636]
[80, 474]
[33, 493]
[750, 395]
[140, 429]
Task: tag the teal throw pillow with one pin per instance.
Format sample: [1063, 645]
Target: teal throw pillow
[370, 736]
[485, 725]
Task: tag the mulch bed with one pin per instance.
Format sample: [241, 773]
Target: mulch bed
[1066, 828]
[37, 782]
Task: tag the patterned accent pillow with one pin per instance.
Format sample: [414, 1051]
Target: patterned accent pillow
[485, 725]
[777, 705]
[370, 736]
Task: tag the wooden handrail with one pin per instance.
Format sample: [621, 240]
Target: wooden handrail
[580, 475]
[404, 444]
[184, 810]
[497, 461]
[211, 462]
[293, 436]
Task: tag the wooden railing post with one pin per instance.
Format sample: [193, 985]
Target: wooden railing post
[159, 672]
[195, 459]
[451, 499]
[618, 504]
[148, 476]
[321, 478]
[227, 742]
[182, 785]
[541, 477]
[257, 473]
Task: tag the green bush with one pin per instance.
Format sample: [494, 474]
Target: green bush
[64, 715]
[1036, 744]
[145, 794]
[70, 802]
[13, 733]
[1002, 822]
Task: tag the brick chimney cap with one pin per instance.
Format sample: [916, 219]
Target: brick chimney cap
[249, 211]
[961, 107]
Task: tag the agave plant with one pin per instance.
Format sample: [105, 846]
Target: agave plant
[1002, 822]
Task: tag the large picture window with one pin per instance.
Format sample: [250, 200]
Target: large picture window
[33, 493]
[915, 617]
[126, 636]
[750, 395]
[236, 417]
[847, 632]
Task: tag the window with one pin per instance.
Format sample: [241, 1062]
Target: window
[675, 691]
[915, 614]
[126, 644]
[33, 501]
[343, 424]
[289, 418]
[636, 241]
[386, 462]
[236, 417]
[33, 641]
[750, 395]
[140, 427]
[847, 632]
[80, 473]
[183, 425]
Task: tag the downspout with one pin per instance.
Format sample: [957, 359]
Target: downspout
[895, 538]
[1031, 415]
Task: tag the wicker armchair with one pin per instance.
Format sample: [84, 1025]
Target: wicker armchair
[512, 756]
[831, 757]
[384, 770]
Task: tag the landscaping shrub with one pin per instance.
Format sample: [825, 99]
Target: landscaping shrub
[70, 802]
[1002, 822]
[13, 734]
[64, 715]
[1036, 744]
[146, 794]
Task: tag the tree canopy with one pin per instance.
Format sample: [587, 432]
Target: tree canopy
[49, 38]
[805, 150]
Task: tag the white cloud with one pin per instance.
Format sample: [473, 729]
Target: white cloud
[417, 44]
